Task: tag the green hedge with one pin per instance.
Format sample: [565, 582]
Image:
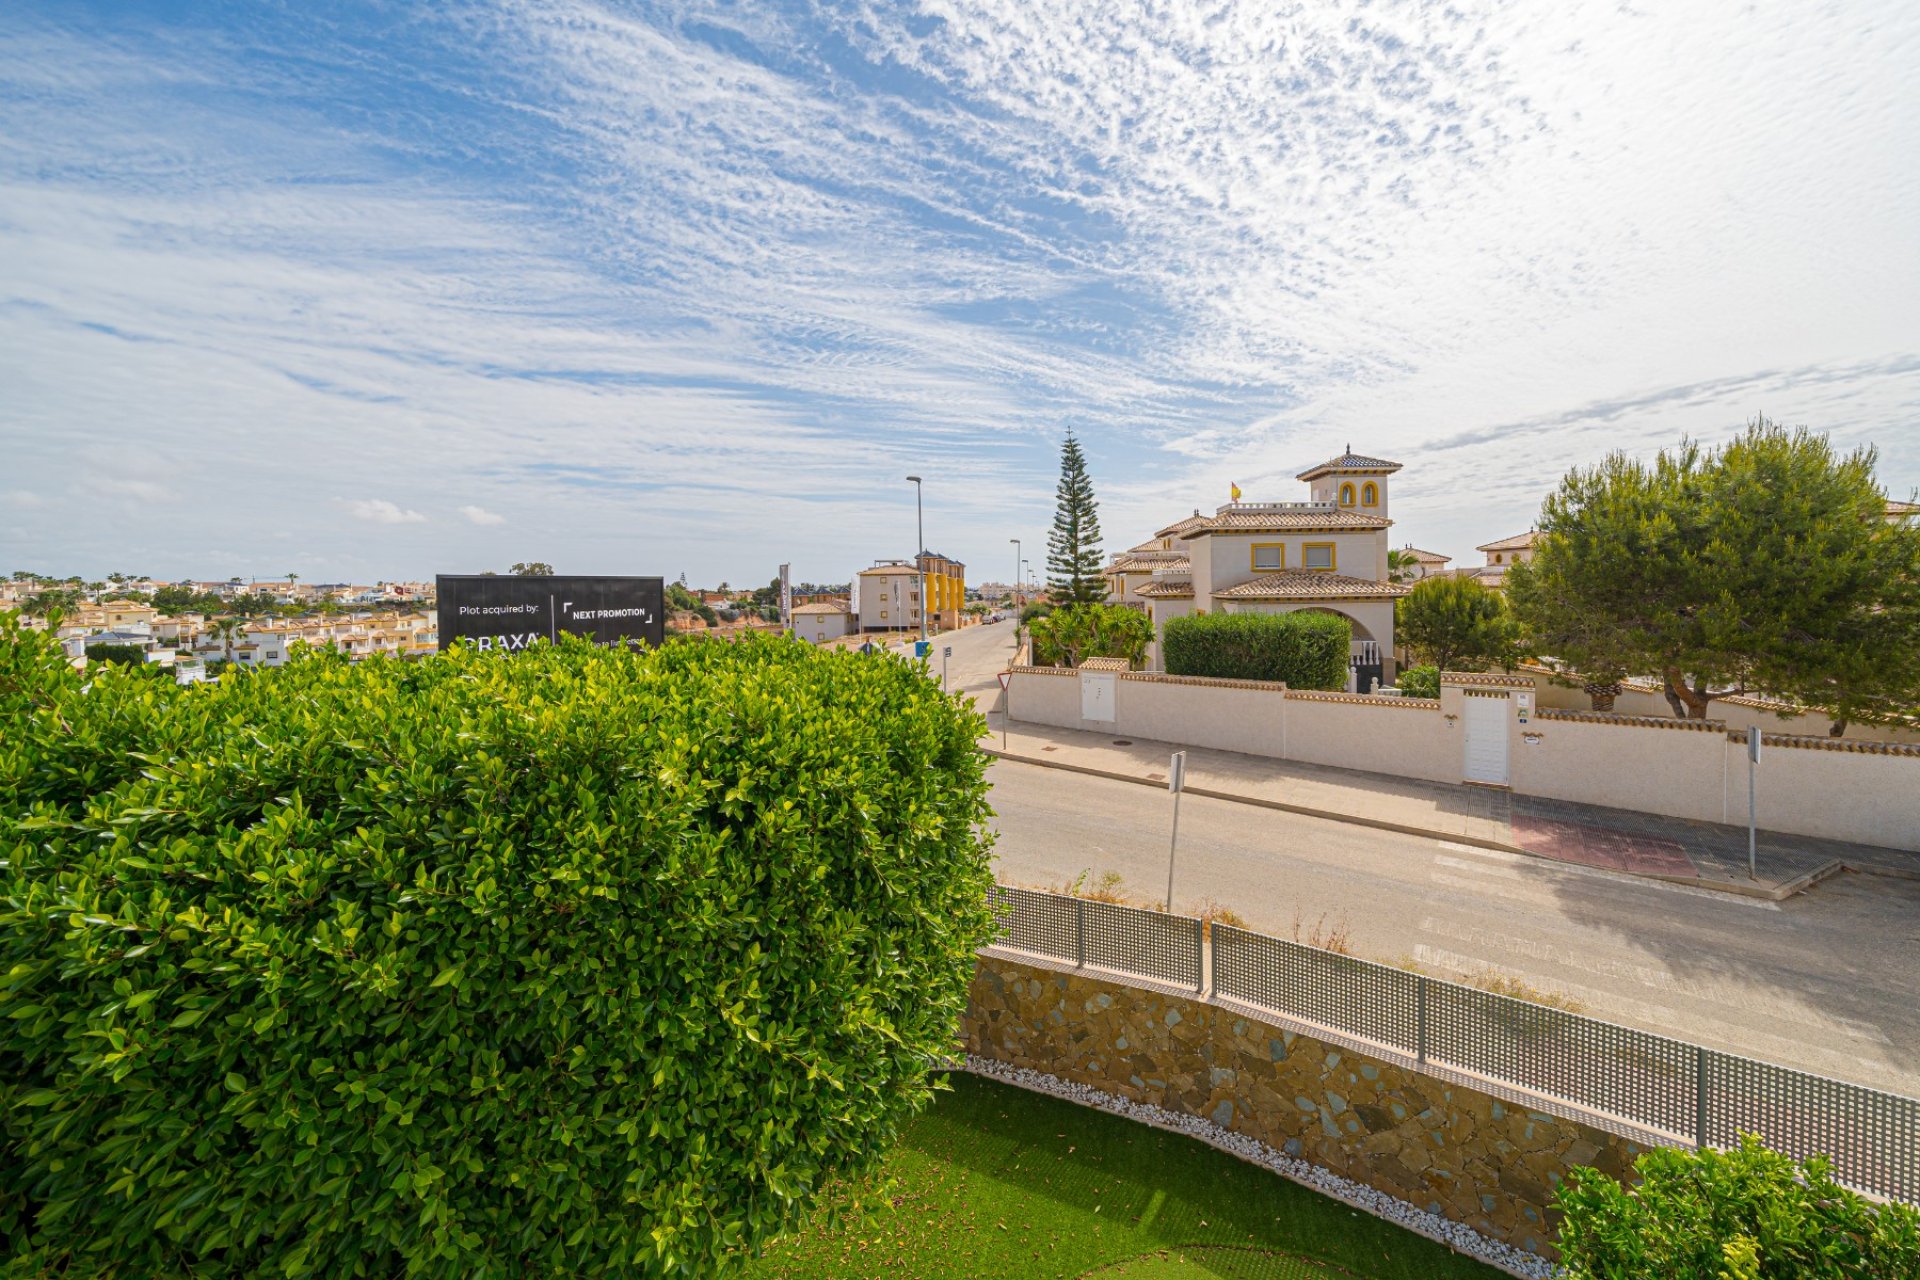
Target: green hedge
[570, 962]
[1305, 650]
[1745, 1214]
[1419, 682]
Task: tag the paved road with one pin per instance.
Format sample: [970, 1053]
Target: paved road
[1823, 981]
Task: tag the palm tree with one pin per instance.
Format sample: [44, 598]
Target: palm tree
[1401, 566]
[227, 629]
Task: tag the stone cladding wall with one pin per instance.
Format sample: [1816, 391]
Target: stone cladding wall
[1442, 1147]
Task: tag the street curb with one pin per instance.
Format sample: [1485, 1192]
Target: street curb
[1777, 893]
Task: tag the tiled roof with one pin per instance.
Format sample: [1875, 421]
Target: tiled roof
[1348, 461]
[1895, 507]
[1426, 557]
[1518, 542]
[822, 607]
[1310, 519]
[1305, 584]
[1180, 527]
[1166, 589]
[1151, 544]
[1148, 561]
[888, 568]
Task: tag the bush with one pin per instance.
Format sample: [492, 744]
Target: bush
[574, 961]
[1420, 682]
[124, 655]
[1745, 1214]
[1038, 609]
[1075, 632]
[1305, 650]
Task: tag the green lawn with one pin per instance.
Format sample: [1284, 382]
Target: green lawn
[998, 1182]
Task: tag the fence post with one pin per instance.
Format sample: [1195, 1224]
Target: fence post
[1699, 1098]
[1420, 1020]
[1200, 952]
[1080, 932]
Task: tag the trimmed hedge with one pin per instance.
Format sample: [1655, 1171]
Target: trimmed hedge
[1419, 682]
[570, 962]
[1304, 650]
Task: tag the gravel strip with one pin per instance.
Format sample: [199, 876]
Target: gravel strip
[1465, 1239]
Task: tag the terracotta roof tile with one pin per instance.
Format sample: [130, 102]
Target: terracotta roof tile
[1148, 561]
[1305, 518]
[1348, 461]
[1305, 584]
[1426, 557]
[1518, 542]
[1166, 589]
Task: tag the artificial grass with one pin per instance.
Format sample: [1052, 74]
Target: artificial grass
[995, 1181]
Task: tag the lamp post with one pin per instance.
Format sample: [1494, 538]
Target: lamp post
[1016, 591]
[920, 556]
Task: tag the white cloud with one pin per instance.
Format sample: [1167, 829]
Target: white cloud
[480, 515]
[24, 498]
[380, 511]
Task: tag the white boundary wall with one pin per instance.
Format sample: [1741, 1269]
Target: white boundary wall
[1864, 792]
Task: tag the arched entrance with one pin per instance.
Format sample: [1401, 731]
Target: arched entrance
[1366, 656]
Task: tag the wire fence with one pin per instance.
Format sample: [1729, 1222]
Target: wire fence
[1685, 1092]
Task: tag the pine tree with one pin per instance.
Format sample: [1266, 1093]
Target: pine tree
[1074, 557]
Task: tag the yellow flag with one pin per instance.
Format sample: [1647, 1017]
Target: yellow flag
[1236, 493]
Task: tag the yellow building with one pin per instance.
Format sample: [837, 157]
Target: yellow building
[946, 590]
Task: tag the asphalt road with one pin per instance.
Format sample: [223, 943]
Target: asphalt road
[1824, 981]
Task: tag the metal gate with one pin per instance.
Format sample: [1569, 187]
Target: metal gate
[1486, 737]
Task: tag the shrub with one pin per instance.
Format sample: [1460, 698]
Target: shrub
[124, 655]
[1420, 682]
[1038, 609]
[1745, 1214]
[1075, 632]
[573, 961]
[1456, 624]
[1305, 650]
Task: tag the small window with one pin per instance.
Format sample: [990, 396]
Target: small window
[1370, 494]
[883, 613]
[1317, 555]
[1346, 495]
[1496, 557]
[1269, 557]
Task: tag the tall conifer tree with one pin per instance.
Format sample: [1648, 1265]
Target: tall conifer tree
[1074, 558]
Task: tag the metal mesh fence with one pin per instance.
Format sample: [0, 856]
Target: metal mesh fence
[1372, 1001]
[1873, 1138]
[1163, 946]
[1695, 1094]
[1043, 923]
[1636, 1075]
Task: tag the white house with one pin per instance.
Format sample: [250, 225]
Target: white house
[890, 597]
[821, 622]
[1327, 554]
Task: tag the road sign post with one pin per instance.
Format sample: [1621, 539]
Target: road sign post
[1753, 807]
[946, 651]
[1176, 783]
[1006, 705]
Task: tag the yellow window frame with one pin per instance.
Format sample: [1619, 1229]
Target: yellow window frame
[1253, 557]
[1333, 557]
[1369, 494]
[1346, 494]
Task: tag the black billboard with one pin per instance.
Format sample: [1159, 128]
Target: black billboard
[507, 612]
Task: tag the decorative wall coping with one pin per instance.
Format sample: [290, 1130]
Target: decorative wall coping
[1043, 671]
[1484, 679]
[1634, 722]
[1367, 700]
[1106, 664]
[1814, 742]
[1206, 682]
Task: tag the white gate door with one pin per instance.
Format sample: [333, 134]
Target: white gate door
[1486, 720]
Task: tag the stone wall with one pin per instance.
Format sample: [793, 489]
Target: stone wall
[1441, 1147]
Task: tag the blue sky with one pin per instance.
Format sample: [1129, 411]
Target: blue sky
[378, 290]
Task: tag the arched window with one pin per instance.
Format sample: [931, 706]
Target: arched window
[1346, 495]
[1370, 494]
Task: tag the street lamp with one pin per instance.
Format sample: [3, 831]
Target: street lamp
[1016, 589]
[920, 557]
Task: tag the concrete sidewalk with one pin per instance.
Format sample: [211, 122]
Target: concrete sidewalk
[1705, 854]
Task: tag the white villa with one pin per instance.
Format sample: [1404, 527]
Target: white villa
[1328, 554]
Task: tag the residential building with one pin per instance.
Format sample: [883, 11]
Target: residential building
[1898, 511]
[1501, 555]
[890, 597]
[1422, 564]
[946, 580]
[821, 622]
[1328, 554]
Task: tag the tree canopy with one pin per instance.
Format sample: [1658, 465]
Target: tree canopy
[1455, 624]
[1765, 566]
[1074, 555]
